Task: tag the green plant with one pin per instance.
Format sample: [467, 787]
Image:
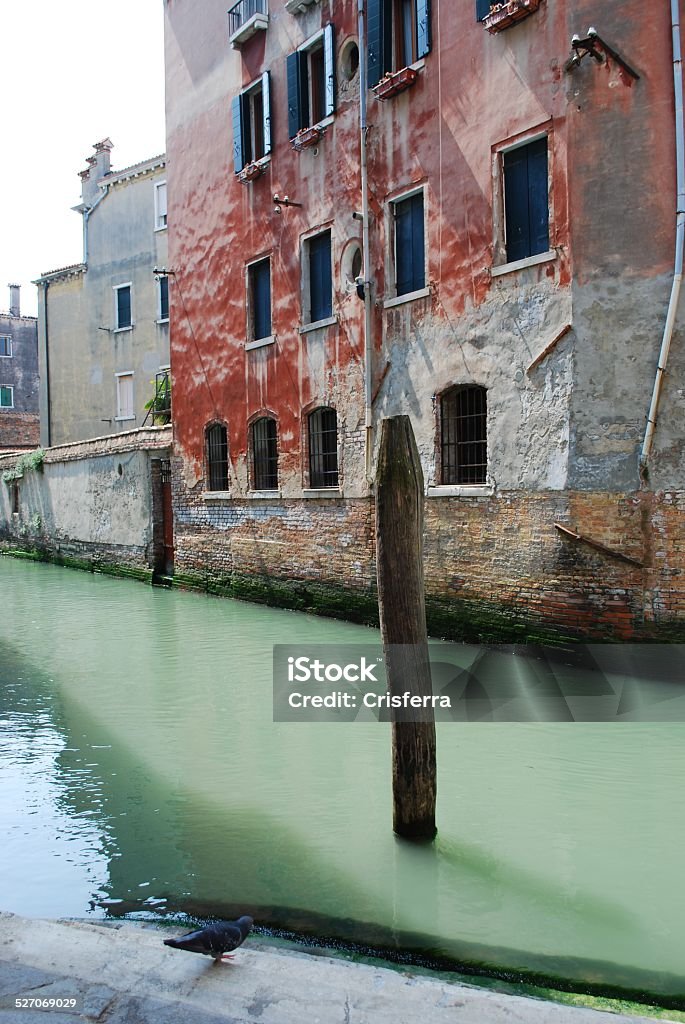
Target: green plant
[24, 464]
[160, 403]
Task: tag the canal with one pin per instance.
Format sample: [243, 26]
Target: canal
[143, 774]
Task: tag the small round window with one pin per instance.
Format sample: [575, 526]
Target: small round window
[351, 266]
[349, 60]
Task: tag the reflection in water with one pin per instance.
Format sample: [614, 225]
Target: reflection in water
[141, 764]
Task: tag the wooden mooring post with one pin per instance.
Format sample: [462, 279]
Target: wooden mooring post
[401, 603]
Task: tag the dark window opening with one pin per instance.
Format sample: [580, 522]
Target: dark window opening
[164, 298]
[252, 124]
[320, 277]
[463, 435]
[124, 306]
[217, 457]
[399, 34]
[260, 298]
[15, 498]
[311, 83]
[410, 270]
[526, 200]
[323, 448]
[264, 454]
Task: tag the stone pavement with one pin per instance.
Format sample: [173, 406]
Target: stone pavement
[123, 974]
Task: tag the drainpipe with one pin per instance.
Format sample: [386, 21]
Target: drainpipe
[368, 343]
[48, 405]
[86, 214]
[679, 240]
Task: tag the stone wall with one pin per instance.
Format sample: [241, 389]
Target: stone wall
[90, 503]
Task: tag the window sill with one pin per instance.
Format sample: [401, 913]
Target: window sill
[461, 491]
[216, 495]
[529, 261]
[317, 325]
[120, 330]
[307, 137]
[162, 227]
[260, 343]
[395, 82]
[264, 495]
[123, 419]
[321, 492]
[422, 293]
[165, 320]
[509, 13]
[298, 6]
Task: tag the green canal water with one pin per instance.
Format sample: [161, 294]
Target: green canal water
[142, 772]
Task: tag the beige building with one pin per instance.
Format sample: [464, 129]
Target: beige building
[103, 324]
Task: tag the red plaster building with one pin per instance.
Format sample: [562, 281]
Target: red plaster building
[482, 240]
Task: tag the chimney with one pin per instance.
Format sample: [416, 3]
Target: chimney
[98, 168]
[15, 303]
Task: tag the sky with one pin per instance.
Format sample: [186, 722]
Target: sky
[72, 73]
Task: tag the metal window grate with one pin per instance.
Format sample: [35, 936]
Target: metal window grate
[464, 447]
[217, 457]
[323, 448]
[264, 454]
[165, 470]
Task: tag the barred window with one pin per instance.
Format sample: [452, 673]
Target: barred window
[217, 457]
[323, 448]
[463, 435]
[264, 439]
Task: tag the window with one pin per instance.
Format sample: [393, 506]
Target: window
[483, 8]
[463, 435]
[125, 410]
[259, 299]
[122, 307]
[251, 114]
[6, 396]
[264, 445]
[526, 200]
[311, 82]
[163, 298]
[160, 206]
[217, 457]
[323, 448]
[399, 34]
[410, 259]
[5, 345]
[318, 292]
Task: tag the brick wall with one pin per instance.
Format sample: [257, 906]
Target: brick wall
[487, 560]
[19, 430]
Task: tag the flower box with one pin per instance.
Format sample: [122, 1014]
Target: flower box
[250, 172]
[503, 15]
[396, 81]
[308, 137]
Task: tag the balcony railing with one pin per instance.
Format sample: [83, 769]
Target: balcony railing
[245, 18]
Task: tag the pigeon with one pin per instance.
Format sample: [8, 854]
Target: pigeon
[216, 939]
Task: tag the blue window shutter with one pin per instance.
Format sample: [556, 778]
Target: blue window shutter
[238, 147]
[410, 259]
[261, 298]
[482, 9]
[320, 283]
[266, 107]
[516, 204]
[538, 197]
[526, 201]
[329, 68]
[423, 27]
[124, 307]
[295, 121]
[375, 61]
[418, 246]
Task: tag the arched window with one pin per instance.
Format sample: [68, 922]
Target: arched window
[463, 435]
[323, 448]
[264, 446]
[217, 457]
